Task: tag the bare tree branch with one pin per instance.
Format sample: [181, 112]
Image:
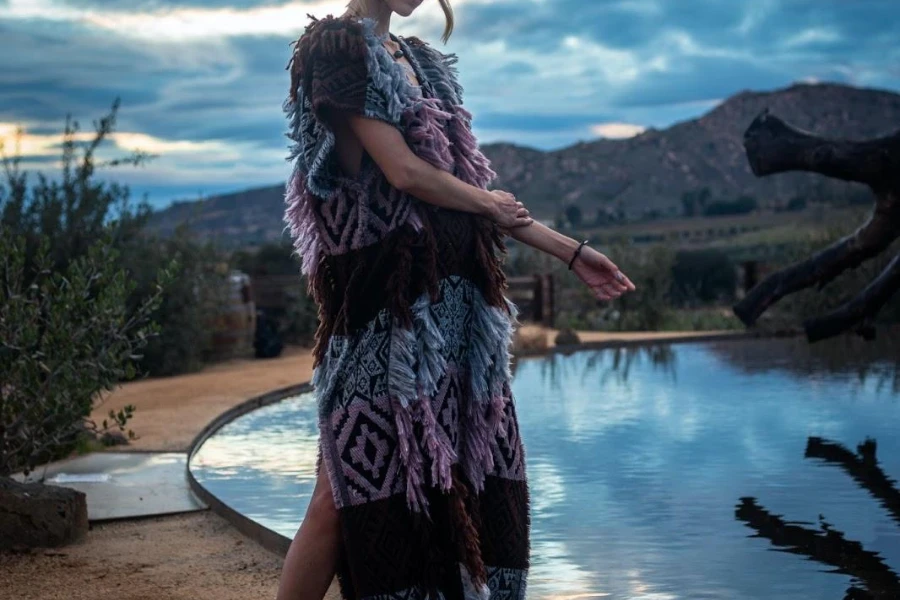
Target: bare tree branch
[862, 467]
[858, 310]
[774, 146]
[828, 546]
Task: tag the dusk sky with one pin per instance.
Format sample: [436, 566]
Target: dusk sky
[202, 81]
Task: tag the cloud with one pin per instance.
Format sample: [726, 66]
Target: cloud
[545, 73]
[617, 130]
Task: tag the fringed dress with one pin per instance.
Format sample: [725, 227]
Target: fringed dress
[418, 430]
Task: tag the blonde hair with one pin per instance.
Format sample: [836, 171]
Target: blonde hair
[361, 6]
[448, 19]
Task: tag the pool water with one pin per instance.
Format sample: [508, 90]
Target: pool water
[662, 473]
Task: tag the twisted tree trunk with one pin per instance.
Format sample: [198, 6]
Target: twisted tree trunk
[774, 146]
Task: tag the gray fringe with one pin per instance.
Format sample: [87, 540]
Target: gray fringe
[439, 70]
[489, 350]
[402, 365]
[389, 93]
[430, 345]
[325, 375]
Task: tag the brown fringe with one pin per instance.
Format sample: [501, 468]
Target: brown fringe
[491, 251]
[467, 540]
[321, 287]
[398, 284]
[323, 38]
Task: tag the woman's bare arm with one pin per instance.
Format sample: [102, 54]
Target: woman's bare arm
[599, 273]
[406, 171]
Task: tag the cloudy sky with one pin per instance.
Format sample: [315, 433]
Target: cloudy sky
[202, 81]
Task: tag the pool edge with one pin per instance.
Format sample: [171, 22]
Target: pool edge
[278, 543]
[265, 537]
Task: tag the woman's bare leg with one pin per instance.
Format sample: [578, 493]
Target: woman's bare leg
[311, 561]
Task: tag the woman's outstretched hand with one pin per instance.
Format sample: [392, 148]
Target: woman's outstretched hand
[506, 211]
[604, 278]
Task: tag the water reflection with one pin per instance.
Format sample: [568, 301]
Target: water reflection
[617, 363]
[635, 457]
[873, 579]
[875, 363]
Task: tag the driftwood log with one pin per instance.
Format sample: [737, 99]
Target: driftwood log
[773, 146]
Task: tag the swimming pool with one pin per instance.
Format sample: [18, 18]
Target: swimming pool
[663, 472]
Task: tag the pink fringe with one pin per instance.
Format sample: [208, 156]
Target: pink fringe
[411, 457]
[472, 166]
[482, 426]
[438, 447]
[426, 133]
[301, 218]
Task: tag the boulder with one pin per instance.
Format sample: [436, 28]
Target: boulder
[567, 337]
[33, 515]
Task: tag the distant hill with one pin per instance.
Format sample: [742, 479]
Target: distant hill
[635, 176]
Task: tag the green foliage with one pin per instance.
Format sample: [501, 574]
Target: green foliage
[66, 335]
[75, 211]
[573, 215]
[268, 259]
[797, 203]
[693, 202]
[646, 308]
[703, 276]
[188, 309]
[741, 206]
[71, 213]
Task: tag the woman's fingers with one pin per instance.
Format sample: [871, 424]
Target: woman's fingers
[622, 279]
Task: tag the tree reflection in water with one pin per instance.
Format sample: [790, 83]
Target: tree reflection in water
[875, 363]
[873, 580]
[559, 369]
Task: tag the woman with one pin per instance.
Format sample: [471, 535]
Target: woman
[421, 490]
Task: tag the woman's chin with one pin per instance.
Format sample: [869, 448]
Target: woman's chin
[404, 8]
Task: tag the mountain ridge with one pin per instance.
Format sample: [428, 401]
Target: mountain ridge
[647, 174]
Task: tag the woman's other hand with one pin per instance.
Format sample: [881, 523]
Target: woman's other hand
[506, 211]
[601, 275]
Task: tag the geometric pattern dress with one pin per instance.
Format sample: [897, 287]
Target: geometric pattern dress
[418, 427]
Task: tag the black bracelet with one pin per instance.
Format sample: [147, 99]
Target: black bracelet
[577, 252]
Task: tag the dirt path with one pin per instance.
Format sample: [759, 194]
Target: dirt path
[191, 557]
[170, 411]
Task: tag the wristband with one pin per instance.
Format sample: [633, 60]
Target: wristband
[577, 252]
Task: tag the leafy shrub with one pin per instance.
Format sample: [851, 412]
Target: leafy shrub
[703, 276]
[71, 213]
[65, 336]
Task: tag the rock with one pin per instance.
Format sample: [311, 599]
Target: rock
[529, 339]
[567, 337]
[113, 438]
[33, 515]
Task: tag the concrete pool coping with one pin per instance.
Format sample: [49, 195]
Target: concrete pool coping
[278, 543]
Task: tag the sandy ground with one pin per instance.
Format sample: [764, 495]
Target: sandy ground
[191, 557]
[195, 556]
[170, 411]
